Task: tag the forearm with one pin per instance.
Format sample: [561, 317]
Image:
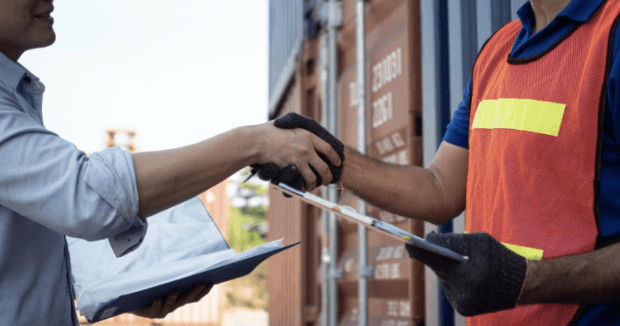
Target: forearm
[593, 277]
[412, 191]
[168, 177]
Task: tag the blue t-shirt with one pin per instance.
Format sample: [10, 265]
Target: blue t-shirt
[527, 45]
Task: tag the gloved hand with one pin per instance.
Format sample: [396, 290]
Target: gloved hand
[270, 172]
[490, 280]
[289, 175]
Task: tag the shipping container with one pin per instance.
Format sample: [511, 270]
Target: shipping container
[286, 19]
[294, 280]
[419, 56]
[396, 291]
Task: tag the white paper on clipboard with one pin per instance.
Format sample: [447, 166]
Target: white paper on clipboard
[370, 222]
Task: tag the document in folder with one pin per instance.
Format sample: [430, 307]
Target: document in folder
[182, 247]
[370, 222]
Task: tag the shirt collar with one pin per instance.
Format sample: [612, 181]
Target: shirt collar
[577, 10]
[12, 73]
[580, 10]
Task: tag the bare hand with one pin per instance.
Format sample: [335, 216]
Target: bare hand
[299, 148]
[161, 307]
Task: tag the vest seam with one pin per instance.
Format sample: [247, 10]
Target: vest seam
[521, 61]
[578, 314]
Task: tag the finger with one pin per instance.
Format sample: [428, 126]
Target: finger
[326, 149]
[417, 253]
[322, 170]
[288, 175]
[169, 303]
[268, 171]
[286, 195]
[147, 310]
[298, 183]
[207, 288]
[189, 295]
[431, 259]
[453, 241]
[155, 307]
[309, 177]
[319, 180]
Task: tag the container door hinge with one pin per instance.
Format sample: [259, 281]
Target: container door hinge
[335, 14]
[336, 274]
[367, 271]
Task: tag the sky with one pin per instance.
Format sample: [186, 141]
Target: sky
[176, 72]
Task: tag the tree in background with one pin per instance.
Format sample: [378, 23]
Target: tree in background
[248, 228]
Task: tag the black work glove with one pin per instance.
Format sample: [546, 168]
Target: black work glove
[490, 280]
[290, 175]
[270, 172]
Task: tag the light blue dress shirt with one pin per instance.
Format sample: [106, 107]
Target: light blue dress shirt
[49, 189]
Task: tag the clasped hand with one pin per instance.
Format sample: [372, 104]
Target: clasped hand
[324, 162]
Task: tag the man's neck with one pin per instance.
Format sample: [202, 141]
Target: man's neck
[545, 11]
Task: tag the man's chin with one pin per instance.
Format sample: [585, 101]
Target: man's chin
[44, 42]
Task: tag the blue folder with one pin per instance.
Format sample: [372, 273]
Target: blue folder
[182, 247]
[137, 300]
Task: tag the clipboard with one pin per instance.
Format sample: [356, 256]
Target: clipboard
[369, 222]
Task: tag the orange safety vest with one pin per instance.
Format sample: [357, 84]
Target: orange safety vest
[534, 150]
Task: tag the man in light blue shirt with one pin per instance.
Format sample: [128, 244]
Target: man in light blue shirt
[49, 188]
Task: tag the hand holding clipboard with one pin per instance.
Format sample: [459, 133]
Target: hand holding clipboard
[370, 223]
[488, 280]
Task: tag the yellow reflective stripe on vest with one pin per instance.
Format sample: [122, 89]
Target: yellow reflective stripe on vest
[527, 252]
[520, 114]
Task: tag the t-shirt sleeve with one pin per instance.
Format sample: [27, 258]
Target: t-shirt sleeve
[458, 128]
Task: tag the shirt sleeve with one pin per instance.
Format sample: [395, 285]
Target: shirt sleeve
[458, 129]
[48, 180]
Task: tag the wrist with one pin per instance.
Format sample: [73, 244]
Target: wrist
[350, 167]
[531, 283]
[252, 142]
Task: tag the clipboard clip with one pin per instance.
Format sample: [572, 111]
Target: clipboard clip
[366, 271]
[252, 173]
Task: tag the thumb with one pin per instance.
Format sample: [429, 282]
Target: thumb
[433, 260]
[456, 242]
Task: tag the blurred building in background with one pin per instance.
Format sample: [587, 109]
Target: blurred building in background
[416, 57]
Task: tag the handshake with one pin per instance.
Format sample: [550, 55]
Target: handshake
[290, 175]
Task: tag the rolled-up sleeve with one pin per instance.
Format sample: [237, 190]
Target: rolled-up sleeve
[111, 174]
[48, 180]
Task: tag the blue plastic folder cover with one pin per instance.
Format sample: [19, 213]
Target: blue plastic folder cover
[182, 247]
